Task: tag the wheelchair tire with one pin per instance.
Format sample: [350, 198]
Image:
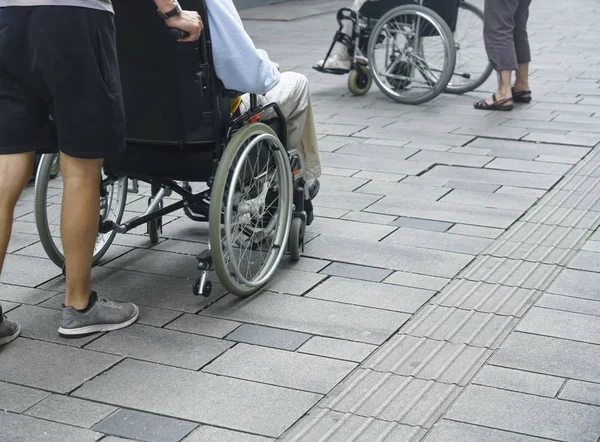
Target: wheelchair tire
[296, 240]
[241, 227]
[55, 169]
[155, 226]
[359, 83]
[470, 20]
[47, 225]
[434, 78]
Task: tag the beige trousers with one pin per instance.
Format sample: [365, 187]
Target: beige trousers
[292, 94]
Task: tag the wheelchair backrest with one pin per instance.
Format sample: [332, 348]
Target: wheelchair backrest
[170, 90]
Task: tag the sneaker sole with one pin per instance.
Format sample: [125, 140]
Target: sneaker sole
[98, 328]
[10, 338]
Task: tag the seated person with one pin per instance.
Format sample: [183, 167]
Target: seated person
[242, 67]
[340, 58]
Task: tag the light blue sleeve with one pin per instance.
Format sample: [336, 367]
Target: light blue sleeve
[238, 63]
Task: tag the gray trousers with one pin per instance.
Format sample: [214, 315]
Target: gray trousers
[505, 33]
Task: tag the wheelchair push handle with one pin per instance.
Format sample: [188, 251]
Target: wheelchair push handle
[178, 33]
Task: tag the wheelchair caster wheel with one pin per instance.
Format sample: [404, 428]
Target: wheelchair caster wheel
[200, 290]
[296, 240]
[360, 80]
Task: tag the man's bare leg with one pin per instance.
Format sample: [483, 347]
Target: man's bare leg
[522, 81]
[15, 171]
[79, 225]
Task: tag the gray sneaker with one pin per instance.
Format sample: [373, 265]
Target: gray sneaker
[102, 315]
[8, 330]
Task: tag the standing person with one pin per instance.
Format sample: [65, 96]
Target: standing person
[507, 46]
[58, 58]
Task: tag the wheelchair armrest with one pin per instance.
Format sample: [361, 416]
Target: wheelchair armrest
[232, 94]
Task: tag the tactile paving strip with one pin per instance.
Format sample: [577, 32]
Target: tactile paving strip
[407, 384]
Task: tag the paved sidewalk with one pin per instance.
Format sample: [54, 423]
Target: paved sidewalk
[449, 291]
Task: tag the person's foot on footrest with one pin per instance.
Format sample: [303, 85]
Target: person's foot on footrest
[336, 62]
[313, 188]
[101, 315]
[9, 331]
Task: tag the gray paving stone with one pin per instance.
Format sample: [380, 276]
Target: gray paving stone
[512, 149]
[283, 368]
[351, 229]
[585, 392]
[342, 427]
[45, 364]
[370, 218]
[557, 159]
[559, 324]
[449, 158]
[527, 414]
[520, 381]
[461, 326]
[144, 426]
[391, 133]
[379, 151]
[268, 337]
[42, 324]
[20, 241]
[356, 272]
[499, 177]
[379, 176]
[543, 354]
[17, 399]
[438, 241]
[375, 164]
[391, 256]
[403, 189]
[592, 246]
[155, 316]
[391, 397]
[487, 298]
[206, 433]
[446, 430]
[521, 191]
[477, 231]
[24, 295]
[328, 212]
[422, 224]
[293, 282]
[371, 294]
[429, 359]
[178, 246]
[532, 253]
[162, 346]
[528, 166]
[485, 199]
[446, 212]
[8, 306]
[337, 349]
[71, 411]
[470, 185]
[589, 261]
[569, 304]
[572, 140]
[342, 183]
[344, 200]
[156, 262]
[39, 271]
[420, 281]
[17, 427]
[546, 235]
[201, 397]
[561, 216]
[332, 319]
[306, 264]
[203, 325]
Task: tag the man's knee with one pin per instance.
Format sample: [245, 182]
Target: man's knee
[15, 172]
[79, 168]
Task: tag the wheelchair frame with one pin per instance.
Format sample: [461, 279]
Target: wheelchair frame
[361, 78]
[196, 205]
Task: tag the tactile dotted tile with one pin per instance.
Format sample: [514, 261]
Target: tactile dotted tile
[532, 253]
[324, 425]
[388, 396]
[512, 272]
[561, 216]
[462, 326]
[541, 235]
[487, 298]
[429, 359]
[575, 200]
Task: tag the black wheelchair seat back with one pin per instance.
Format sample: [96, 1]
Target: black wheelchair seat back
[176, 110]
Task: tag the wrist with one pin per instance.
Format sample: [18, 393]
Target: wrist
[168, 8]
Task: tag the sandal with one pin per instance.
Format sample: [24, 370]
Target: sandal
[496, 105]
[521, 96]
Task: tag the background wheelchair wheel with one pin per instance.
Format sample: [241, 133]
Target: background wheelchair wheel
[473, 67]
[155, 225]
[296, 239]
[359, 83]
[48, 205]
[250, 209]
[416, 37]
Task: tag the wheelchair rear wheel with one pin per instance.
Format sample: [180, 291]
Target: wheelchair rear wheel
[48, 205]
[250, 209]
[411, 54]
[473, 67]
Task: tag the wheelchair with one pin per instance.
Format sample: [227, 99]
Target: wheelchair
[413, 49]
[181, 134]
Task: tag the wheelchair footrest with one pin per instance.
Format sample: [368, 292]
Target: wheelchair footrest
[334, 71]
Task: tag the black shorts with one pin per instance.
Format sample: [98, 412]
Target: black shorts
[60, 61]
